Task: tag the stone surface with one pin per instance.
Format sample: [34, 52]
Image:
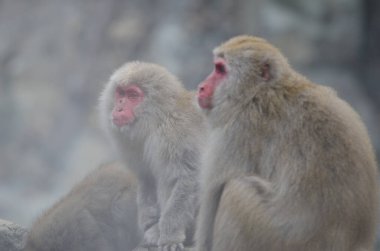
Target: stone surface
[12, 236]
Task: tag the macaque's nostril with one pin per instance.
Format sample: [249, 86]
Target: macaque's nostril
[201, 89]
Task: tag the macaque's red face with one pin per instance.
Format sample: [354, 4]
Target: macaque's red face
[207, 88]
[126, 98]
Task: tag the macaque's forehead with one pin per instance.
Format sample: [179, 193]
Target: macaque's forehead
[151, 78]
[132, 73]
[122, 75]
[240, 44]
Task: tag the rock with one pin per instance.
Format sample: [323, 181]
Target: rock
[12, 236]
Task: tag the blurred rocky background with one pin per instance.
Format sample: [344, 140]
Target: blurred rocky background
[55, 57]
[12, 236]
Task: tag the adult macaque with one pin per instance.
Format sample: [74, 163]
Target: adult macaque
[289, 165]
[99, 214]
[158, 131]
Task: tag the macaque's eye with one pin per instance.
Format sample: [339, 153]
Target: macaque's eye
[220, 68]
[133, 94]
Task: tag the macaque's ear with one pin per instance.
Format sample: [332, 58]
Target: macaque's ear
[265, 72]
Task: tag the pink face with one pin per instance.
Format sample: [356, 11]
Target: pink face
[126, 98]
[207, 88]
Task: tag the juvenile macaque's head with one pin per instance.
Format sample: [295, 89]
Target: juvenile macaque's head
[242, 65]
[138, 95]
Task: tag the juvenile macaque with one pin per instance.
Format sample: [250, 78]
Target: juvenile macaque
[158, 131]
[289, 165]
[99, 214]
